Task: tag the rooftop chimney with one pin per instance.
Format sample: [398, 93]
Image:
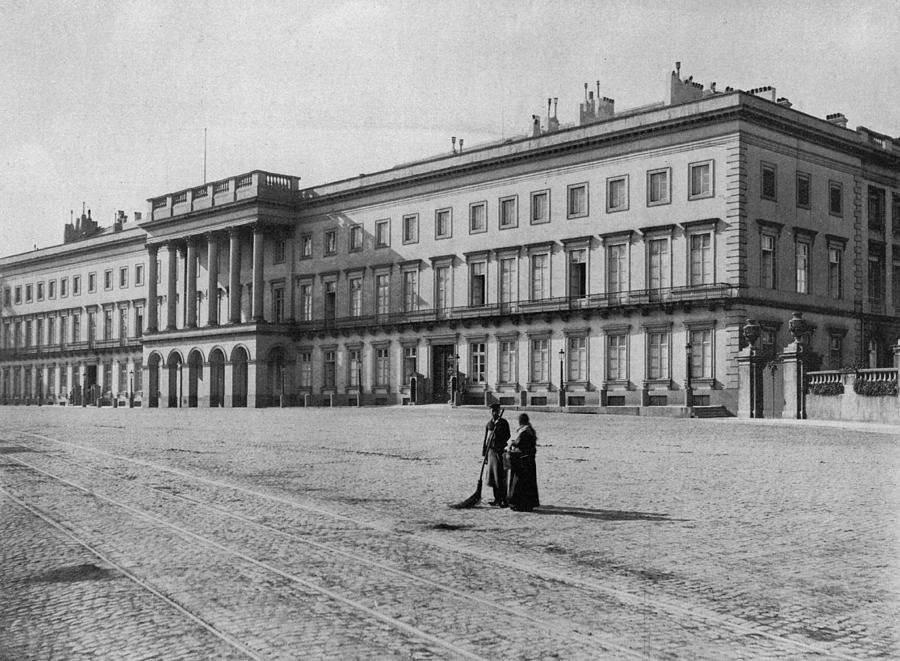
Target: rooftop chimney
[838, 119]
[535, 126]
[453, 140]
[783, 101]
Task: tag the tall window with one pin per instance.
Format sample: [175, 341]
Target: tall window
[701, 354]
[410, 291]
[540, 207]
[540, 276]
[616, 268]
[660, 267]
[895, 214]
[278, 304]
[577, 359]
[306, 246]
[617, 357]
[92, 283]
[123, 323]
[329, 290]
[304, 364]
[803, 190]
[51, 289]
[895, 282]
[76, 285]
[577, 273]
[835, 198]
[617, 194]
[802, 261]
[876, 278]
[443, 228]
[578, 201]
[107, 324]
[509, 212]
[76, 326]
[540, 361]
[478, 283]
[700, 180]
[40, 291]
[63, 330]
[108, 279]
[835, 351]
[356, 238]
[382, 233]
[767, 261]
[477, 362]
[138, 275]
[876, 208]
[64, 287]
[701, 259]
[508, 279]
[508, 351]
[835, 272]
[442, 287]
[411, 228]
[355, 297]
[382, 293]
[354, 366]
[330, 369]
[382, 366]
[306, 302]
[139, 321]
[51, 330]
[658, 187]
[331, 242]
[410, 356]
[768, 188]
[657, 355]
[39, 332]
[477, 217]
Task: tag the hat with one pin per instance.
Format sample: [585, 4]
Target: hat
[494, 406]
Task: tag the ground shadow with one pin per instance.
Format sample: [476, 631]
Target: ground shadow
[602, 515]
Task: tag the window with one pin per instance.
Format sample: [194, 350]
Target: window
[40, 291]
[39, 332]
[280, 251]
[508, 361]
[767, 261]
[803, 190]
[382, 233]
[123, 323]
[329, 371]
[329, 290]
[382, 366]
[540, 361]
[835, 198]
[306, 246]
[7, 297]
[895, 213]
[509, 212]
[701, 354]
[51, 330]
[477, 217]
[331, 242]
[382, 293]
[835, 350]
[577, 273]
[540, 276]
[477, 362]
[895, 280]
[158, 271]
[616, 268]
[577, 205]
[356, 238]
[76, 327]
[354, 366]
[123, 277]
[304, 364]
[577, 359]
[660, 265]
[76, 285]
[305, 302]
[138, 321]
[768, 181]
[540, 207]
[442, 287]
[356, 297]
[508, 279]
[876, 208]
[617, 194]
[278, 303]
[410, 354]
[478, 284]
[700, 180]
[411, 228]
[658, 187]
[443, 227]
[835, 271]
[617, 357]
[107, 323]
[410, 291]
[63, 287]
[876, 278]
[108, 279]
[51, 289]
[701, 259]
[802, 263]
[18, 295]
[29, 293]
[138, 275]
[92, 283]
[657, 355]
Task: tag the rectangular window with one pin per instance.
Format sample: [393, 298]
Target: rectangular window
[616, 268]
[29, 293]
[51, 289]
[477, 284]
[895, 282]
[835, 351]
[660, 266]
[658, 187]
[701, 259]
[39, 332]
[477, 362]
[876, 279]
[617, 194]
[442, 289]
[108, 279]
[835, 198]
[577, 201]
[802, 257]
[123, 277]
[577, 273]
[329, 371]
[410, 291]
[18, 295]
[508, 279]
[107, 324]
[92, 283]
[508, 361]
[382, 233]
[701, 354]
[354, 367]
[329, 291]
[540, 361]
[768, 181]
[306, 246]
[304, 364]
[411, 228]
[657, 355]
[123, 323]
[356, 290]
[356, 238]
[410, 355]
[331, 242]
[278, 304]
[280, 252]
[382, 366]
[443, 227]
[895, 213]
[540, 276]
[40, 291]
[835, 272]
[767, 261]
[139, 321]
[382, 293]
[7, 297]
[617, 357]
[306, 302]
[876, 208]
[577, 359]
[76, 327]
[51, 330]
[540, 207]
[509, 212]
[700, 180]
[138, 275]
[803, 190]
[63, 287]
[477, 217]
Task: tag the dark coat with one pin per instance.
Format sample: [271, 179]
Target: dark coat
[498, 434]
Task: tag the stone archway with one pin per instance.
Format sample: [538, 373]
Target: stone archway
[239, 360]
[195, 376]
[217, 378]
[174, 366]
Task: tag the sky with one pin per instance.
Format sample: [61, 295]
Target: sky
[105, 103]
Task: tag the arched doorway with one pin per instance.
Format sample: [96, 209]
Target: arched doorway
[195, 376]
[217, 378]
[175, 383]
[153, 366]
[239, 360]
[275, 369]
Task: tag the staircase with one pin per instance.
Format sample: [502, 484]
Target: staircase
[711, 412]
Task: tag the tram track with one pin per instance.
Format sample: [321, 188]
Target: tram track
[661, 607]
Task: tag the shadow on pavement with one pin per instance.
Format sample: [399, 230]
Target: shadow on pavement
[602, 515]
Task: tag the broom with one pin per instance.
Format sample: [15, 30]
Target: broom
[475, 498]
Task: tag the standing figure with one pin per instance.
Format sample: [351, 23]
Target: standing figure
[494, 445]
[523, 490]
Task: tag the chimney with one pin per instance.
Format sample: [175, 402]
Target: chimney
[453, 140]
[552, 121]
[535, 126]
[460, 145]
[838, 119]
[783, 101]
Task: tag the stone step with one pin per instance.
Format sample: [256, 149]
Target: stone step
[711, 412]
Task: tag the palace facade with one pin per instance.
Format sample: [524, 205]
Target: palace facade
[610, 263]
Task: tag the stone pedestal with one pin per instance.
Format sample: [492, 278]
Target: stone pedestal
[792, 379]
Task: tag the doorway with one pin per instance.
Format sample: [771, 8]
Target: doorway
[443, 367]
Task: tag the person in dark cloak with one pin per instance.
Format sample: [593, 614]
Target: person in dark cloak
[494, 446]
[522, 494]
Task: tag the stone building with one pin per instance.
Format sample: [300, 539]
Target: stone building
[610, 263]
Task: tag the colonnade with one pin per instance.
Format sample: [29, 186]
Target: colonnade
[66, 381]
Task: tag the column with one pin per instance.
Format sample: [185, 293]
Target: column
[171, 291]
[228, 399]
[203, 383]
[163, 385]
[234, 277]
[212, 287]
[70, 383]
[258, 286]
[190, 284]
[152, 276]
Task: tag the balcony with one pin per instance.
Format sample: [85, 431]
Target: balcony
[711, 295]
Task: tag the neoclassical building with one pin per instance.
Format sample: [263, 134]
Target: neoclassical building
[609, 263]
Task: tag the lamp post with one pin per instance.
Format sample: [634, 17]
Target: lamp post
[131, 389]
[281, 398]
[84, 390]
[799, 329]
[562, 383]
[359, 381]
[40, 385]
[454, 381]
[688, 391]
[751, 334]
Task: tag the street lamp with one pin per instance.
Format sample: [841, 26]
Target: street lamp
[40, 385]
[688, 391]
[562, 383]
[131, 389]
[84, 390]
[281, 398]
[454, 382]
[799, 328]
[359, 381]
[751, 334]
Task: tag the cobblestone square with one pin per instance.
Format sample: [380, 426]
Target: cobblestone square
[326, 534]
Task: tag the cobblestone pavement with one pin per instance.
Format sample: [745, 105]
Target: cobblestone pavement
[325, 534]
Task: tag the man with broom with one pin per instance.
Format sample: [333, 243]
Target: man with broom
[496, 436]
